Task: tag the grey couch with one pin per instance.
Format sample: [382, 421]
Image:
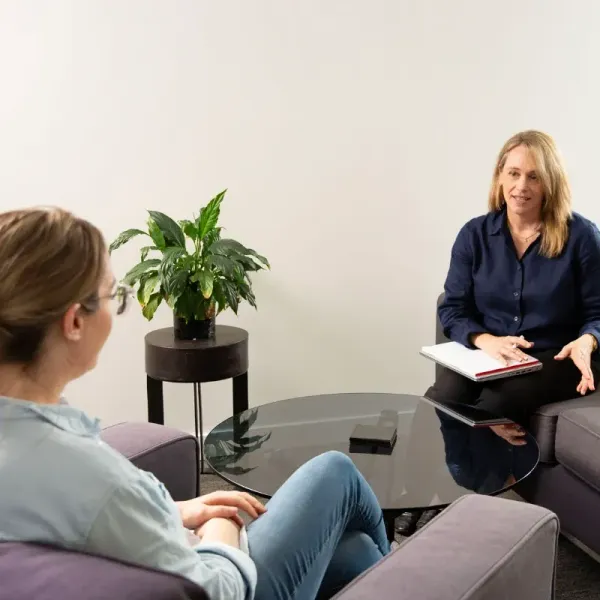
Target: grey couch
[567, 480]
[478, 548]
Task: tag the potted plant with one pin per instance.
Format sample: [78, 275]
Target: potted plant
[195, 271]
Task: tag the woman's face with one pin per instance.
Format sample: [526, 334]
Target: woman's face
[521, 185]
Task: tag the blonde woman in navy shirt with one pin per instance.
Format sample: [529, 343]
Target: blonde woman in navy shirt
[523, 278]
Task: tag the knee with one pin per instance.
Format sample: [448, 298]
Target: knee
[334, 461]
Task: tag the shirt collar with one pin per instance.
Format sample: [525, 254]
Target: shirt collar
[497, 221]
[60, 415]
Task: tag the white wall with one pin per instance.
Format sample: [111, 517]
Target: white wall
[355, 137]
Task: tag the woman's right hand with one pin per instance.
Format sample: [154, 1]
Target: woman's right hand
[503, 348]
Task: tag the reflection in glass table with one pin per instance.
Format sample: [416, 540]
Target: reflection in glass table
[436, 459]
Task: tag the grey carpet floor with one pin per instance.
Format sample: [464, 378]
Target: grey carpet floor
[578, 575]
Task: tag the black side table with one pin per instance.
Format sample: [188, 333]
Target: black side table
[196, 361]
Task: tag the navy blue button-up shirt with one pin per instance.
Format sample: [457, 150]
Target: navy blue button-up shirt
[550, 301]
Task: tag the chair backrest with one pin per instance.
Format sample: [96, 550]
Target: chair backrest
[39, 572]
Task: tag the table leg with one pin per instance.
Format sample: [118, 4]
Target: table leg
[156, 413]
[198, 423]
[240, 393]
[389, 520]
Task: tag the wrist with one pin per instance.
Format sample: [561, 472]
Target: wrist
[593, 341]
[225, 531]
[183, 511]
[477, 339]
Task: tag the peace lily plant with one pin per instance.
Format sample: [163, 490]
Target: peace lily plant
[188, 265]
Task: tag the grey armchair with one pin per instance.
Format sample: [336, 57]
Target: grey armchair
[567, 480]
[478, 548]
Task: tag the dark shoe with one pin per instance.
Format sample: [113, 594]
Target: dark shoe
[427, 516]
[406, 523]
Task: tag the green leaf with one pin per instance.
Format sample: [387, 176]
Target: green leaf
[156, 234]
[169, 228]
[136, 272]
[260, 258]
[151, 306]
[245, 291]
[191, 304]
[209, 239]
[251, 260]
[124, 237]
[173, 277]
[176, 283]
[231, 294]
[171, 301]
[144, 252]
[206, 281]
[227, 246]
[147, 285]
[209, 215]
[219, 294]
[189, 229]
[221, 263]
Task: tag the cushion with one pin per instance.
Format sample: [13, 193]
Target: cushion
[544, 422]
[578, 443]
[38, 572]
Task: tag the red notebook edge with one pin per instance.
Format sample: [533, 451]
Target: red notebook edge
[506, 369]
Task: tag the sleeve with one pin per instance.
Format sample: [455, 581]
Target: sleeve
[589, 269]
[457, 312]
[139, 523]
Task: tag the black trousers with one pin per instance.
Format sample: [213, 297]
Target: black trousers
[518, 397]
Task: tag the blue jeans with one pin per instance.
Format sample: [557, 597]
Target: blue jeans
[322, 528]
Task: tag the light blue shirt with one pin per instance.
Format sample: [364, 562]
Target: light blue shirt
[61, 484]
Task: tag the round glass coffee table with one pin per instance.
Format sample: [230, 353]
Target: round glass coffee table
[436, 459]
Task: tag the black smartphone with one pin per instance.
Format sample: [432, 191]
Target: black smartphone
[378, 435]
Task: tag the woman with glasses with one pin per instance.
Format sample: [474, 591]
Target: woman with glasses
[62, 485]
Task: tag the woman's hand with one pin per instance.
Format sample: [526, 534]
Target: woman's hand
[502, 348]
[512, 433]
[580, 352]
[225, 505]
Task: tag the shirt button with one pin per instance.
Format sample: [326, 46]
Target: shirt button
[516, 294]
[516, 319]
[518, 267]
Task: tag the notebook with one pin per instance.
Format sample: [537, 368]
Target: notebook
[476, 364]
[470, 415]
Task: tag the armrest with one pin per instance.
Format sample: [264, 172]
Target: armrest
[171, 455]
[544, 422]
[479, 548]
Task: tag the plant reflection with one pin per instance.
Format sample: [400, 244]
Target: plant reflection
[228, 443]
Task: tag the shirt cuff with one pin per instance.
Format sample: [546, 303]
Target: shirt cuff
[467, 332]
[593, 329]
[241, 560]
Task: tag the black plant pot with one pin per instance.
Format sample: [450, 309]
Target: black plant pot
[194, 329]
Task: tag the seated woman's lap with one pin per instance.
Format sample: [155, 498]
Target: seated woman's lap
[517, 397]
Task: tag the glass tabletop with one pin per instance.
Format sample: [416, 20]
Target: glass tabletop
[436, 459]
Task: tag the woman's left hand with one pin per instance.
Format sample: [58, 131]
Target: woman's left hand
[194, 513]
[580, 352]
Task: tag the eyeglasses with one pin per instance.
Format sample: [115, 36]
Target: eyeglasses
[120, 298]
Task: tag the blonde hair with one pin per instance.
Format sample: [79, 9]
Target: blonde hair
[556, 206]
[49, 260]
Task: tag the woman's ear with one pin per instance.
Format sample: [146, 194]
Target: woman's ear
[72, 323]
